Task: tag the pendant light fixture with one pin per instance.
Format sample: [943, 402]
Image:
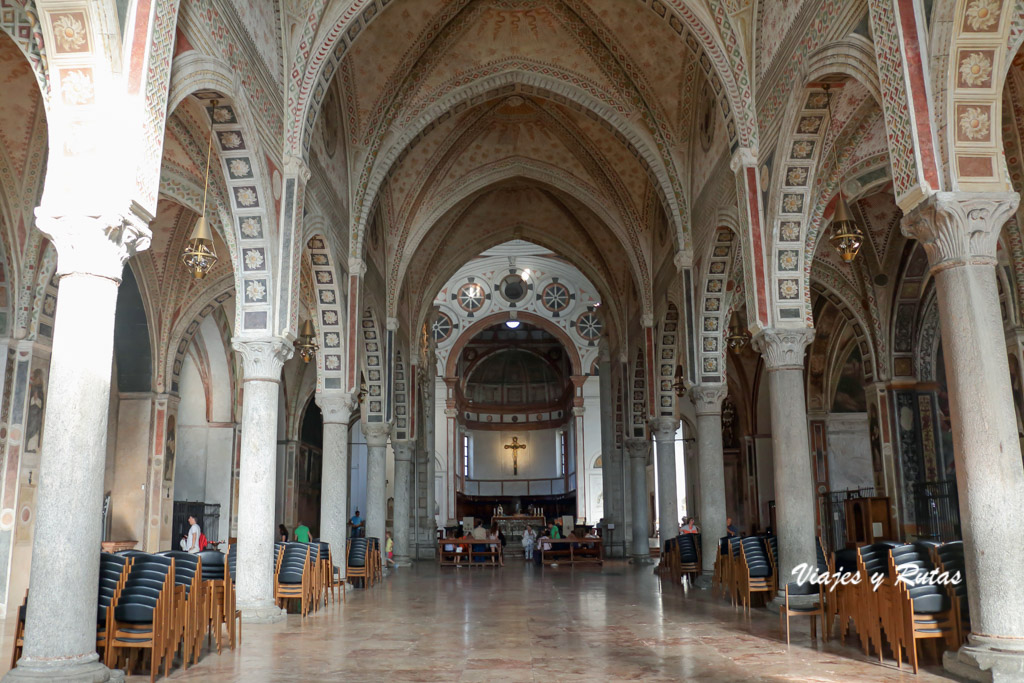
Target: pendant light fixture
[199, 255]
[845, 235]
[738, 335]
[306, 343]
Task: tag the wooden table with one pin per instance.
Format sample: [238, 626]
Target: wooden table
[463, 554]
[117, 546]
[572, 551]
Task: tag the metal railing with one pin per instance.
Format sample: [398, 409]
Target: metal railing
[937, 508]
[207, 516]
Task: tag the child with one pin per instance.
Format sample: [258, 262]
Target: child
[529, 542]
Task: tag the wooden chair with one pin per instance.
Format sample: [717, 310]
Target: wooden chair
[814, 610]
[755, 574]
[142, 617]
[293, 576]
[949, 558]
[357, 563]
[718, 577]
[190, 608]
[688, 557]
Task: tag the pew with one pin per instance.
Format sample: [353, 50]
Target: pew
[571, 551]
[459, 552]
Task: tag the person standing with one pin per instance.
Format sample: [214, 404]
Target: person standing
[282, 533]
[302, 533]
[529, 542]
[357, 525]
[190, 544]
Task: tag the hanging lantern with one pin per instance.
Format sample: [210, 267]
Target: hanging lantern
[738, 335]
[306, 343]
[846, 236]
[680, 385]
[199, 255]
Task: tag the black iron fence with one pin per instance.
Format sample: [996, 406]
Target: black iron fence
[207, 517]
[937, 509]
[832, 514]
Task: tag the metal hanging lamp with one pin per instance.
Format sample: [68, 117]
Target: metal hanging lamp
[738, 336]
[845, 235]
[199, 255]
[306, 343]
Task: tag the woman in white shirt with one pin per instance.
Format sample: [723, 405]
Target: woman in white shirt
[190, 543]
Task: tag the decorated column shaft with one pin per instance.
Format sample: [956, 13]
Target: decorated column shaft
[60, 626]
[336, 409]
[262, 360]
[707, 398]
[959, 232]
[664, 429]
[783, 352]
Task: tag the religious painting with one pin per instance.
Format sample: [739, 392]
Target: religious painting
[849, 396]
[36, 403]
[875, 434]
[169, 448]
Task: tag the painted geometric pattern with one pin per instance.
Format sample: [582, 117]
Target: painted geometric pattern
[330, 320]
[147, 177]
[373, 364]
[401, 397]
[638, 396]
[713, 314]
[666, 361]
[898, 123]
[250, 208]
[16, 22]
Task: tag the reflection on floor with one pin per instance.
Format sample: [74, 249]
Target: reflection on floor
[524, 623]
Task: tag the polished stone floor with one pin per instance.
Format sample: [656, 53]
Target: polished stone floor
[524, 623]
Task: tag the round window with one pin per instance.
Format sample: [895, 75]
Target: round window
[513, 288]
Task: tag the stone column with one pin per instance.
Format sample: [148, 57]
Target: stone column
[707, 398]
[261, 364]
[337, 409]
[428, 395]
[664, 429]
[640, 553]
[403, 497]
[60, 627]
[611, 462]
[376, 434]
[783, 352]
[959, 231]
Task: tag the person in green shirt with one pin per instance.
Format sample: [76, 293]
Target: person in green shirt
[302, 533]
[554, 532]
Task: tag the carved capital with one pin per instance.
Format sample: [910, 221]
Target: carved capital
[682, 259]
[262, 358]
[336, 407]
[450, 413]
[95, 245]
[742, 157]
[578, 411]
[356, 266]
[664, 428]
[296, 166]
[403, 448]
[957, 228]
[783, 349]
[707, 398]
[392, 324]
[647, 320]
[376, 433]
[637, 448]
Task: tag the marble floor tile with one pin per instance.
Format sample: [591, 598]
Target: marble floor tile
[538, 625]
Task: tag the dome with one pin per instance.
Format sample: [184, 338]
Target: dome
[514, 377]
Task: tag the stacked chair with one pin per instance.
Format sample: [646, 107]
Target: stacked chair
[756, 573]
[688, 557]
[358, 564]
[949, 558]
[220, 599]
[330, 575]
[920, 612]
[141, 617]
[669, 563]
[294, 575]
[190, 605]
[374, 559]
[719, 579]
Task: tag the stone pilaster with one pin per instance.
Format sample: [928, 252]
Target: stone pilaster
[707, 399]
[60, 627]
[611, 462]
[638, 450]
[664, 429]
[376, 434]
[783, 352]
[403, 497]
[336, 409]
[429, 425]
[262, 360]
[959, 232]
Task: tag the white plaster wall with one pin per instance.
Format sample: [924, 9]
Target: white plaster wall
[357, 470]
[590, 448]
[490, 460]
[849, 451]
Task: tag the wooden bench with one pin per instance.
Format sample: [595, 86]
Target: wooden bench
[571, 551]
[461, 553]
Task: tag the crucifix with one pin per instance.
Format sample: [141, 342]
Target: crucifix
[515, 446]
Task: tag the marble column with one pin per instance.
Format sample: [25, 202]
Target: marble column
[638, 449]
[611, 462]
[795, 505]
[60, 627]
[427, 388]
[376, 434]
[403, 497]
[664, 429]
[336, 409]
[261, 366]
[959, 232]
[707, 399]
